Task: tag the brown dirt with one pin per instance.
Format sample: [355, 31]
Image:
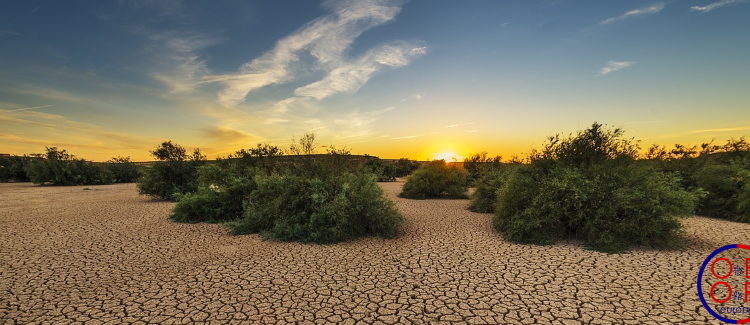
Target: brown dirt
[107, 255]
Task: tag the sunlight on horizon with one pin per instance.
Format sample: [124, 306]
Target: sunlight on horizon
[448, 156]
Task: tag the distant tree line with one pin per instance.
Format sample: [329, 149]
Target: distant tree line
[59, 167]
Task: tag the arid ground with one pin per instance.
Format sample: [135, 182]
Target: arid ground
[104, 254]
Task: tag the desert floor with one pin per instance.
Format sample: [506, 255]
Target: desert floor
[104, 254]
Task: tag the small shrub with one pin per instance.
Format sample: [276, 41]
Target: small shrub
[436, 179]
[175, 173]
[322, 210]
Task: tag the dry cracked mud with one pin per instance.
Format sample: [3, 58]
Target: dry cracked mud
[104, 254]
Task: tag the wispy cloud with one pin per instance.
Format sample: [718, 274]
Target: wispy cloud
[79, 134]
[27, 108]
[177, 52]
[350, 76]
[54, 95]
[325, 39]
[358, 124]
[613, 66]
[739, 128]
[405, 137]
[227, 134]
[649, 10]
[715, 5]
[458, 125]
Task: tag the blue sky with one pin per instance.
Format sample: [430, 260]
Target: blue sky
[389, 78]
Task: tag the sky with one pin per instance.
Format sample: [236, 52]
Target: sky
[417, 79]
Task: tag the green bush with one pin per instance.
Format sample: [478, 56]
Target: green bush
[123, 170]
[611, 208]
[523, 214]
[718, 171]
[637, 206]
[295, 207]
[384, 171]
[479, 164]
[743, 204]
[167, 179]
[403, 167]
[174, 174]
[589, 186]
[723, 185]
[484, 198]
[219, 197]
[436, 179]
[13, 168]
[58, 167]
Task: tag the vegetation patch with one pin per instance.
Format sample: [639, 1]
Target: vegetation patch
[58, 167]
[294, 207]
[720, 172]
[436, 179]
[174, 174]
[590, 186]
[484, 198]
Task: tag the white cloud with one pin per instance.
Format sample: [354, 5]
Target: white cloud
[325, 39]
[178, 53]
[352, 75]
[715, 5]
[28, 108]
[613, 66]
[652, 9]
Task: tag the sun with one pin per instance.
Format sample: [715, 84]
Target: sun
[447, 155]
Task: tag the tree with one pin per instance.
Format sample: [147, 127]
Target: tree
[168, 151]
[304, 146]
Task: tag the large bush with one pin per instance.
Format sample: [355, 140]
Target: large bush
[58, 167]
[611, 208]
[722, 172]
[329, 209]
[724, 185]
[220, 195]
[589, 186]
[484, 197]
[174, 174]
[436, 179]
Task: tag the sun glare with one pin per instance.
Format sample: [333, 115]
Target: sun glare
[448, 156]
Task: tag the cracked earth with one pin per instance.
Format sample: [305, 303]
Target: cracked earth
[104, 254]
